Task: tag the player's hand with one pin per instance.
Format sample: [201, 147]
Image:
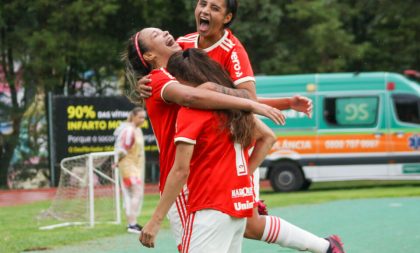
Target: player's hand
[270, 112]
[149, 233]
[143, 89]
[301, 104]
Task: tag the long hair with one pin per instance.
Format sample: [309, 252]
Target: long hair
[135, 66]
[195, 67]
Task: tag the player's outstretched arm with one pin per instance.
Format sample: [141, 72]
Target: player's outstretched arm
[210, 100]
[243, 90]
[240, 93]
[247, 90]
[264, 140]
[297, 103]
[177, 178]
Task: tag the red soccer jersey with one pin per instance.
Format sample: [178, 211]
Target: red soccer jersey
[219, 176]
[228, 52]
[163, 118]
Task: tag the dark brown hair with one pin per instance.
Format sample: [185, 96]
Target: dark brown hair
[231, 7]
[195, 67]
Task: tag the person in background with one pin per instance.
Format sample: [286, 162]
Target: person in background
[129, 148]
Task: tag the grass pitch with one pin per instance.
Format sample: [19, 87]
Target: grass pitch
[19, 226]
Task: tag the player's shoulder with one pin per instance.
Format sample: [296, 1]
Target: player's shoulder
[191, 37]
[127, 129]
[233, 40]
[160, 79]
[229, 43]
[161, 74]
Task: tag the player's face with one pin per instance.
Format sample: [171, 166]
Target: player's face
[160, 43]
[139, 118]
[210, 17]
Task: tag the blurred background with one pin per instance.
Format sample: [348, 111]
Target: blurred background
[72, 48]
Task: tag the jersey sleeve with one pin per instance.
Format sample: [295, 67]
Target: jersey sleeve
[189, 124]
[124, 140]
[181, 43]
[239, 66]
[187, 41]
[127, 138]
[159, 82]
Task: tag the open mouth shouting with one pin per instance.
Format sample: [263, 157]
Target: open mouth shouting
[204, 24]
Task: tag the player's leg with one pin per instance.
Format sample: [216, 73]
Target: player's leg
[276, 230]
[236, 243]
[288, 235]
[212, 231]
[132, 195]
[136, 202]
[273, 229]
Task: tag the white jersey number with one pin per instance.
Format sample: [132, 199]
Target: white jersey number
[241, 166]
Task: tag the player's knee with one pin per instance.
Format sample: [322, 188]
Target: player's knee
[254, 228]
[250, 234]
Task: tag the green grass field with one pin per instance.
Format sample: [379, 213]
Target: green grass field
[19, 226]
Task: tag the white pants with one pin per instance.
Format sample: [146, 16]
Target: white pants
[177, 214]
[211, 231]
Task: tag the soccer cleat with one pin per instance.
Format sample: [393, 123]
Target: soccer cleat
[136, 229]
[336, 245]
[262, 208]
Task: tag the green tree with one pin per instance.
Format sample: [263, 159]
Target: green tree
[10, 41]
[54, 42]
[389, 28]
[296, 36]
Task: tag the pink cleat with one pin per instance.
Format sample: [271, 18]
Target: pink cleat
[336, 245]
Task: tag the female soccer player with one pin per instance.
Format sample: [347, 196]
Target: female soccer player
[129, 145]
[213, 18]
[212, 152]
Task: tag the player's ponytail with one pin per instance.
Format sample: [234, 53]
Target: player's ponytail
[135, 66]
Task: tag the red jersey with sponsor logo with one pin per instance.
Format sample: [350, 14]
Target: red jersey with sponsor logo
[228, 52]
[219, 176]
[163, 118]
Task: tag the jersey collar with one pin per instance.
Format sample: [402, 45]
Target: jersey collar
[215, 44]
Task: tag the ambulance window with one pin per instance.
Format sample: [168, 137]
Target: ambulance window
[351, 111]
[407, 107]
